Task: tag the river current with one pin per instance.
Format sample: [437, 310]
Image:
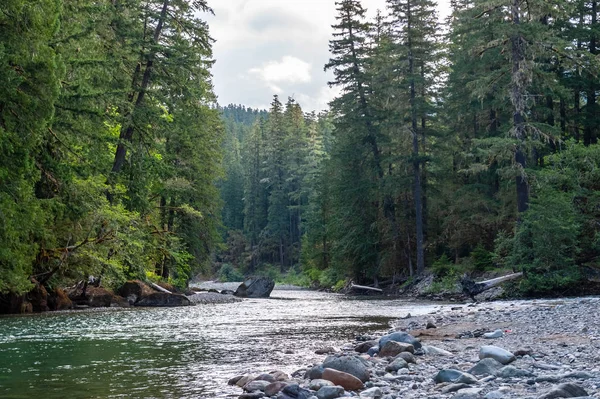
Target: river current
[187, 352]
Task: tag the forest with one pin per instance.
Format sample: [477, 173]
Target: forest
[458, 146]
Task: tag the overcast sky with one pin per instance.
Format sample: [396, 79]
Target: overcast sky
[266, 47]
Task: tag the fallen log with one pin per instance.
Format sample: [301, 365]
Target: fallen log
[159, 288]
[472, 288]
[364, 287]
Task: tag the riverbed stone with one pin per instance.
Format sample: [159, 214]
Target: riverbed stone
[456, 376]
[468, 393]
[326, 350]
[350, 364]
[256, 385]
[319, 383]
[255, 287]
[399, 337]
[274, 388]
[394, 348]
[364, 347]
[330, 392]
[315, 372]
[396, 365]
[372, 393]
[407, 356]
[279, 375]
[252, 395]
[345, 380]
[294, 391]
[435, 351]
[485, 367]
[494, 335]
[567, 390]
[244, 380]
[512, 372]
[454, 387]
[501, 355]
[265, 377]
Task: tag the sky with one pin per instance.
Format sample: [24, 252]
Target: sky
[267, 47]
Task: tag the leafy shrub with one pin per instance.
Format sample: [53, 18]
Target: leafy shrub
[442, 266]
[482, 259]
[228, 273]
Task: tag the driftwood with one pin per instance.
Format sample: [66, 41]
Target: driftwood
[159, 288]
[472, 288]
[364, 287]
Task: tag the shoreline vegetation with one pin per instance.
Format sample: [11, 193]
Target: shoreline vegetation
[446, 151]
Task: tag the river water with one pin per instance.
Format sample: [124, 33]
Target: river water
[187, 352]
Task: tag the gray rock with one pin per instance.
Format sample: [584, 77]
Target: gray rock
[454, 387]
[407, 356]
[468, 393]
[252, 395]
[315, 372]
[450, 375]
[501, 355]
[256, 385]
[255, 287]
[486, 366]
[325, 351]
[430, 324]
[432, 350]
[373, 351]
[393, 348]
[350, 364]
[493, 335]
[399, 337]
[512, 372]
[396, 365]
[317, 384]
[330, 392]
[374, 393]
[295, 392]
[364, 347]
[567, 390]
[163, 299]
[497, 394]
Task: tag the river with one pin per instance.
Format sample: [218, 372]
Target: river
[187, 352]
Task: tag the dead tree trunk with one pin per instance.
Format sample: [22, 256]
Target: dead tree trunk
[472, 288]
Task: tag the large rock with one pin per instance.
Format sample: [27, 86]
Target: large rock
[59, 300]
[330, 392]
[485, 367]
[567, 390]
[134, 290]
[394, 348]
[163, 299]
[294, 391]
[455, 376]
[354, 365]
[501, 355]
[399, 337]
[273, 388]
[364, 347]
[345, 380]
[255, 287]
[95, 297]
[256, 385]
[396, 365]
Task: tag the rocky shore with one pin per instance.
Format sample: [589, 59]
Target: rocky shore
[542, 349]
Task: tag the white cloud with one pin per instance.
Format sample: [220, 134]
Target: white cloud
[287, 70]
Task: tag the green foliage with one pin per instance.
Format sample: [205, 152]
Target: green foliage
[482, 259]
[443, 266]
[228, 273]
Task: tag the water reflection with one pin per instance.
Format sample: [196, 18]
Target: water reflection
[178, 352]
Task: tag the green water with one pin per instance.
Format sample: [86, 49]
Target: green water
[178, 352]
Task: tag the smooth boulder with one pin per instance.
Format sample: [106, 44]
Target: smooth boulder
[394, 348]
[345, 380]
[455, 376]
[399, 337]
[255, 287]
[354, 365]
[501, 355]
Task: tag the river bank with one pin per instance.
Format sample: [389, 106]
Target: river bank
[555, 343]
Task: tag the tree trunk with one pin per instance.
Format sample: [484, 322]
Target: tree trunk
[128, 129]
[518, 102]
[416, 161]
